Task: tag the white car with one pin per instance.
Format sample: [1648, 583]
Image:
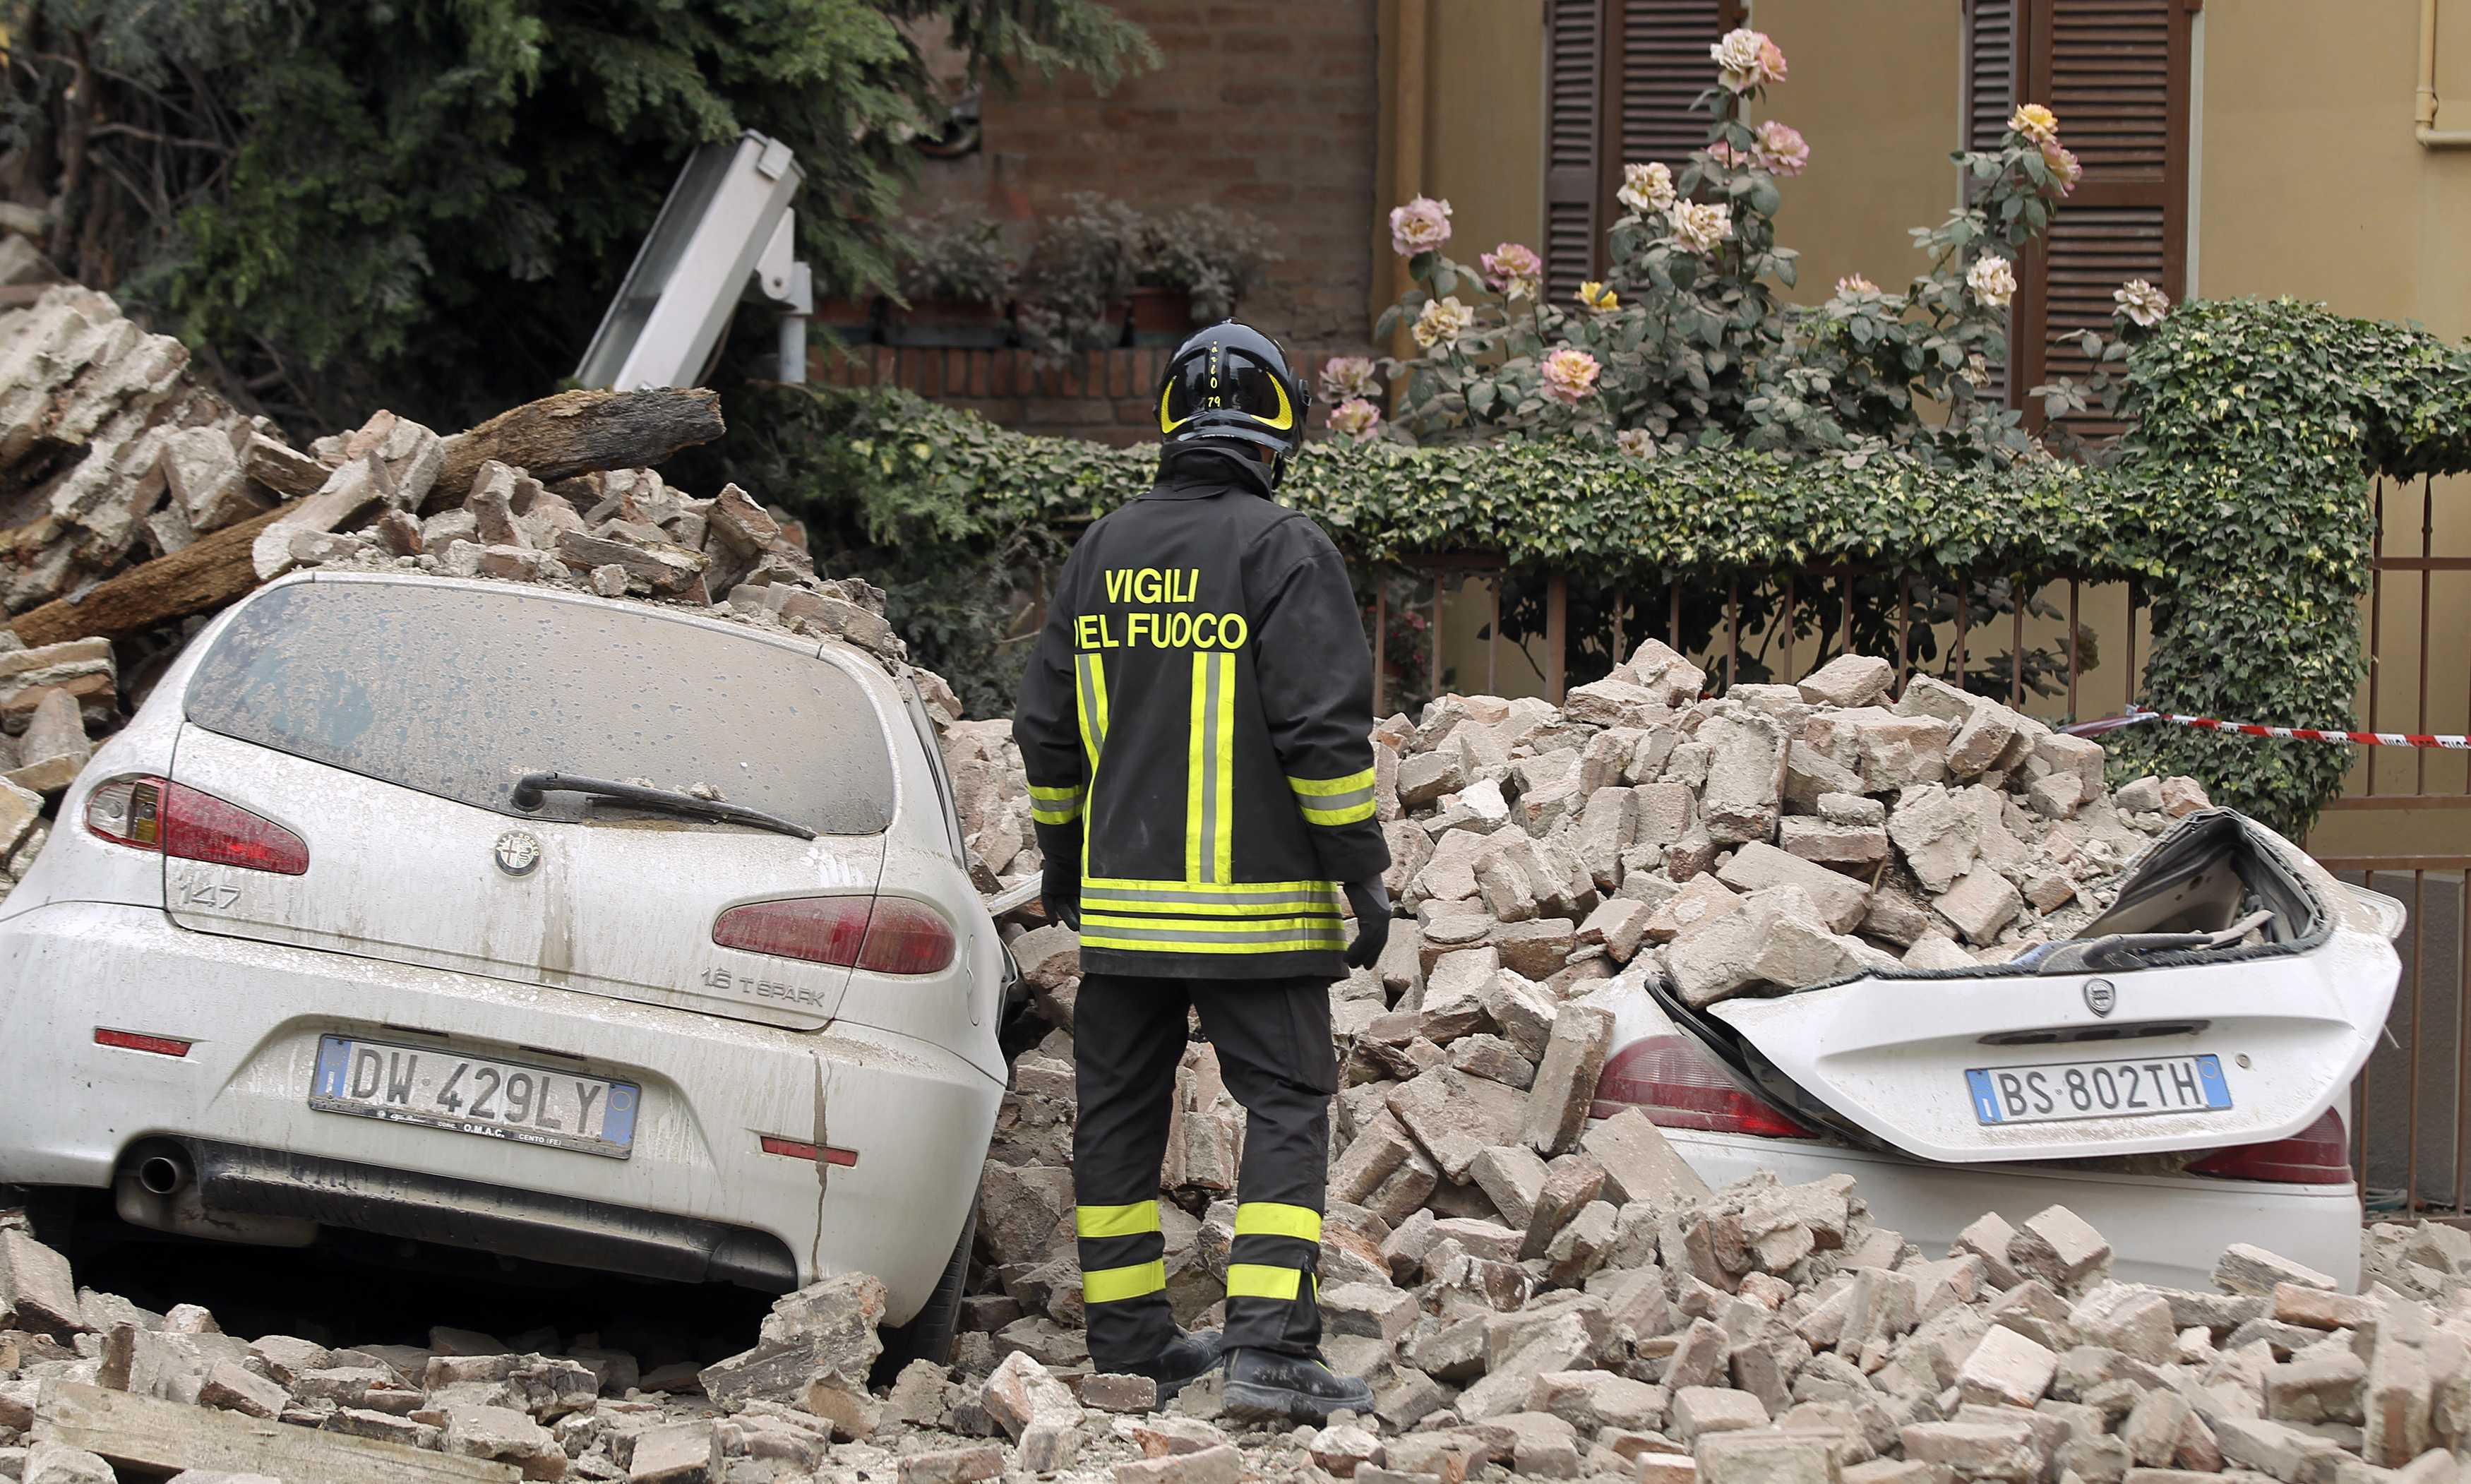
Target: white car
[2170, 1074]
[396, 909]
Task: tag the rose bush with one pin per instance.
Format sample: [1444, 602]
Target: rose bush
[1693, 345]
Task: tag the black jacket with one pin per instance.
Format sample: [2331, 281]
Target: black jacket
[1196, 725]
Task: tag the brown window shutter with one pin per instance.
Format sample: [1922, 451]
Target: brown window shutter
[1990, 71]
[1620, 76]
[1989, 99]
[2116, 73]
[1572, 90]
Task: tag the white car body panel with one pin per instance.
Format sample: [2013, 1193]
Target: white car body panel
[2290, 1001]
[2162, 1229]
[2166, 1229]
[1890, 1054]
[907, 1076]
[617, 908]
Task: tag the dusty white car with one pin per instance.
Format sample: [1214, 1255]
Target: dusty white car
[2170, 1074]
[522, 921]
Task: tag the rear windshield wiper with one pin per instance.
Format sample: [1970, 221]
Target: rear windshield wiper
[531, 787]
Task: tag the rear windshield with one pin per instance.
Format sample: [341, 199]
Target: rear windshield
[459, 691]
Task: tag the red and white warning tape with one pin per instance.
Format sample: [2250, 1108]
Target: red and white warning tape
[2449, 743]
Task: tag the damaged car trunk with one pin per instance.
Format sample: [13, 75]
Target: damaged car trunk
[2226, 997]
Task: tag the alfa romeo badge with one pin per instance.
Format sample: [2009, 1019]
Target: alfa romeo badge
[518, 852]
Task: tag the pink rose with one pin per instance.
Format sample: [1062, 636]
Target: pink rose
[1420, 226]
[1781, 149]
[1570, 375]
[1514, 270]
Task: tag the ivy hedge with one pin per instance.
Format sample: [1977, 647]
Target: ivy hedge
[2240, 502]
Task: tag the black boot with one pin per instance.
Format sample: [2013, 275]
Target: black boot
[1268, 1385]
[1185, 1359]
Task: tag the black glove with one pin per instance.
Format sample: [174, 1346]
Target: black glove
[1059, 890]
[1371, 904]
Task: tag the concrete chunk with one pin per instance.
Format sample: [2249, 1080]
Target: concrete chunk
[953, 1466]
[2245, 1268]
[1455, 1116]
[1849, 680]
[1510, 1176]
[1700, 1410]
[1566, 1078]
[1980, 905]
[1840, 900]
[35, 1290]
[2056, 1246]
[1744, 793]
[1639, 1164]
[2005, 1369]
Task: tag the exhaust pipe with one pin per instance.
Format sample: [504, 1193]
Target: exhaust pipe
[158, 1188]
[163, 1174]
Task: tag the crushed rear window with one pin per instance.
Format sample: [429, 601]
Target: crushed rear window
[459, 691]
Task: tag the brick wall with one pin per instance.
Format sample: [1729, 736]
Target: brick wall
[1109, 395]
[1268, 108]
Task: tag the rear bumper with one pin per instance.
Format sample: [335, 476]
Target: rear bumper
[697, 1197]
[2162, 1229]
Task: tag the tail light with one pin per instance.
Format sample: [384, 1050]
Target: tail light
[880, 935]
[2319, 1154]
[174, 820]
[1678, 1085]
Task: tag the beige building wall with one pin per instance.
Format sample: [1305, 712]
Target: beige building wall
[1463, 119]
[1875, 87]
[2308, 182]
[2311, 183]
[1484, 120]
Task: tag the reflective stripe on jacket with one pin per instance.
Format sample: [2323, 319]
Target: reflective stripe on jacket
[1195, 723]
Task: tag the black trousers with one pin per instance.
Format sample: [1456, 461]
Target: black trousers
[1274, 1049]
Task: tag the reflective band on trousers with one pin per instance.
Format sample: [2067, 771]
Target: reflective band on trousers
[1114, 1284]
[1253, 1281]
[1334, 801]
[1133, 1220]
[1209, 769]
[1275, 1218]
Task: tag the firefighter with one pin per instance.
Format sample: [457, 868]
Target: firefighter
[1197, 726]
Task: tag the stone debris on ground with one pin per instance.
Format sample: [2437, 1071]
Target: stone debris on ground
[1537, 1288]
[1760, 1334]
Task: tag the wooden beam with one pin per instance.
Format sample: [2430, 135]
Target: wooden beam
[142, 1432]
[197, 579]
[577, 432]
[1557, 638]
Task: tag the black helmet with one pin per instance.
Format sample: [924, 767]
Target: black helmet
[1231, 382]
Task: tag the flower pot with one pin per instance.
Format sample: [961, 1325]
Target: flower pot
[850, 321]
[1161, 317]
[949, 322]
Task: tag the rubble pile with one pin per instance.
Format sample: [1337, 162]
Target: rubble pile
[111, 457]
[110, 451]
[1549, 866]
[1778, 838]
[1638, 1329]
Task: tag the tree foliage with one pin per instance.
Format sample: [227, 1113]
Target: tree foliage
[427, 204]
